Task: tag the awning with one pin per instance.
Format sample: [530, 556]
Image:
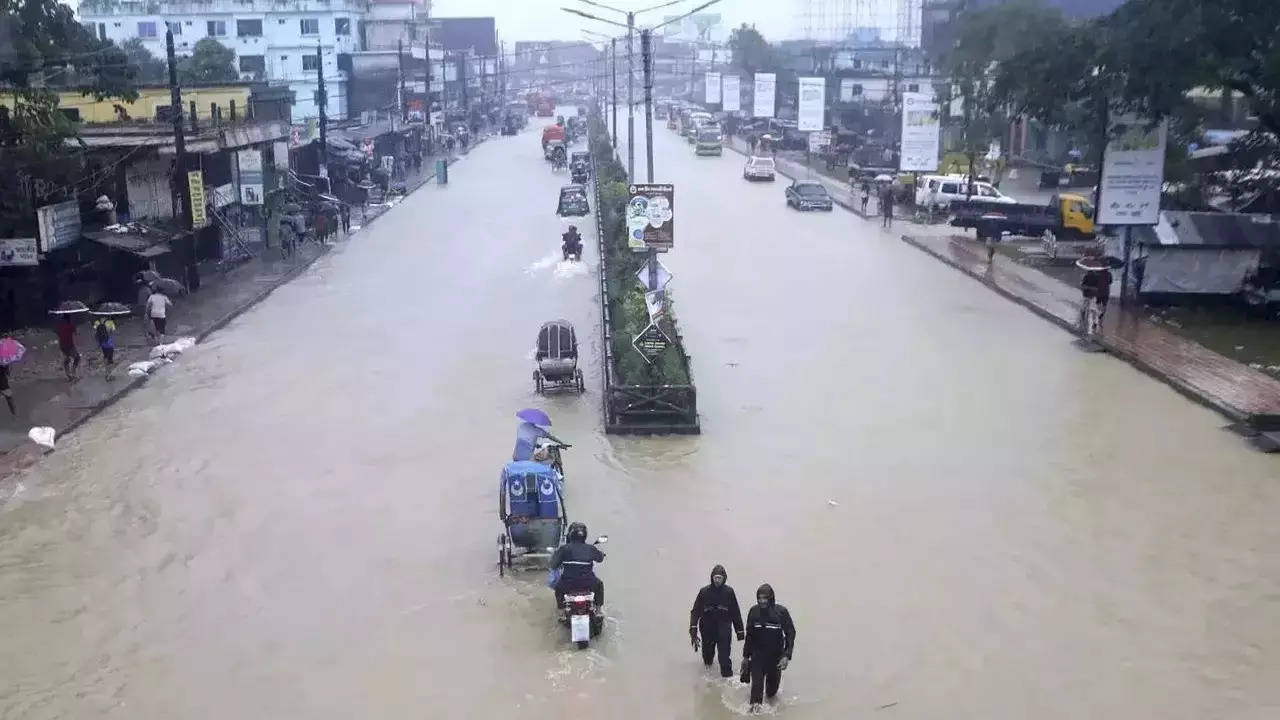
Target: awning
[144, 245]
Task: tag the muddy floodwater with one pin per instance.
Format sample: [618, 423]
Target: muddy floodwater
[967, 517]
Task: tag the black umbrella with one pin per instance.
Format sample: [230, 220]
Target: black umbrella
[169, 286]
[70, 307]
[111, 309]
[146, 277]
[1104, 262]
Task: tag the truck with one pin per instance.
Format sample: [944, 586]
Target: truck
[1067, 216]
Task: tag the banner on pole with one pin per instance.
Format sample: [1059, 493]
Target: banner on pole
[813, 98]
[650, 217]
[920, 128]
[195, 183]
[713, 88]
[1132, 172]
[250, 164]
[766, 85]
[732, 93]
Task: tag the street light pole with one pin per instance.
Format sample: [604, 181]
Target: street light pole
[613, 104]
[631, 100]
[646, 51]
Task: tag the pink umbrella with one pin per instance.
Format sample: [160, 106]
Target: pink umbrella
[11, 351]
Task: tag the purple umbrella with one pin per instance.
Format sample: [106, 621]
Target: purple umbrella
[11, 351]
[534, 416]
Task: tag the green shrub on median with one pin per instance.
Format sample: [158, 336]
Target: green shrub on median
[626, 297]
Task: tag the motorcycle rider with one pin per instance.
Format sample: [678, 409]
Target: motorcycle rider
[771, 638]
[575, 560]
[714, 609]
[572, 242]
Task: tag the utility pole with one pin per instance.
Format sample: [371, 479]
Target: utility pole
[181, 191]
[631, 99]
[402, 97]
[613, 46]
[647, 57]
[463, 59]
[322, 101]
[693, 72]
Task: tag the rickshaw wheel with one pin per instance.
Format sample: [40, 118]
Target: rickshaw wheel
[582, 644]
[537, 382]
[502, 555]
[582, 386]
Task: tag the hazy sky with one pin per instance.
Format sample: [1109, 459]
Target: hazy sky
[544, 20]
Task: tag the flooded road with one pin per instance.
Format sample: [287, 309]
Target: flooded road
[966, 516]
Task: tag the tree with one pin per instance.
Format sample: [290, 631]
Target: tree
[45, 45]
[210, 62]
[150, 69]
[751, 52]
[986, 40]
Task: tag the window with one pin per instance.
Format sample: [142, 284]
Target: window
[309, 26]
[950, 189]
[102, 31]
[249, 28]
[217, 28]
[253, 63]
[175, 28]
[342, 26]
[72, 114]
[310, 62]
[913, 87]
[146, 29]
[284, 58]
[986, 191]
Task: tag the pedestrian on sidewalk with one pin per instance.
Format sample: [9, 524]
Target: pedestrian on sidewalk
[345, 211]
[866, 196]
[417, 162]
[66, 330]
[886, 205]
[158, 310]
[104, 331]
[144, 292]
[6, 391]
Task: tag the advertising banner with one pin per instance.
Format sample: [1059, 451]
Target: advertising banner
[195, 183]
[650, 217]
[59, 225]
[1132, 172]
[19, 251]
[813, 99]
[732, 93]
[766, 86]
[920, 128]
[250, 164]
[713, 88]
[280, 153]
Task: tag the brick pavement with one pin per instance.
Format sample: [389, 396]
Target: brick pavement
[1234, 389]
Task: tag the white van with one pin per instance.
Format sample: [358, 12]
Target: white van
[937, 191]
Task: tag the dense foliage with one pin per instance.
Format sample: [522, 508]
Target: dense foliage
[626, 297]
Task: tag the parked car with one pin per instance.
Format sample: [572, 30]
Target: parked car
[937, 192]
[808, 196]
[758, 168]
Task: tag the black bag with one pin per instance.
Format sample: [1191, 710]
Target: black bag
[745, 676]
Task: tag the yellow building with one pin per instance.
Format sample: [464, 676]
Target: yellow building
[84, 108]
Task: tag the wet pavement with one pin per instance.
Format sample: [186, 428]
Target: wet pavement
[966, 516]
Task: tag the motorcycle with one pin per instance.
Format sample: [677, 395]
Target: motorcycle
[583, 616]
[572, 250]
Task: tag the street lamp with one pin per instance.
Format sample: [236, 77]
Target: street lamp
[630, 25]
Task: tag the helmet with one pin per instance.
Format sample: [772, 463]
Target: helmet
[573, 228]
[577, 532]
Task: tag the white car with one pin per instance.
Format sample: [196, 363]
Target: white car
[758, 168]
[938, 191]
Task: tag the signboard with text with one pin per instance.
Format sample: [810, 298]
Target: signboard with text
[59, 225]
[651, 342]
[195, 183]
[250, 164]
[713, 88]
[813, 97]
[766, 89]
[731, 92]
[1132, 172]
[19, 251]
[920, 132]
[651, 217]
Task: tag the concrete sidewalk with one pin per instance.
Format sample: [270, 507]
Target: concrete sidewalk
[1234, 389]
[44, 396]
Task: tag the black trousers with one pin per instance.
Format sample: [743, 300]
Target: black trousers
[715, 636]
[765, 678]
[562, 588]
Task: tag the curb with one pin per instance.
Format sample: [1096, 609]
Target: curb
[1177, 384]
[137, 382]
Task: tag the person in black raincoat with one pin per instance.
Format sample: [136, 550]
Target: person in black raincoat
[771, 638]
[714, 610]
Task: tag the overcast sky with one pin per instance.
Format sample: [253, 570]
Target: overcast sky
[544, 20]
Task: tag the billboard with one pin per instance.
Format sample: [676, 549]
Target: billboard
[766, 85]
[650, 217]
[920, 127]
[713, 88]
[1132, 172]
[813, 102]
[250, 164]
[59, 225]
[18, 251]
[731, 92]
